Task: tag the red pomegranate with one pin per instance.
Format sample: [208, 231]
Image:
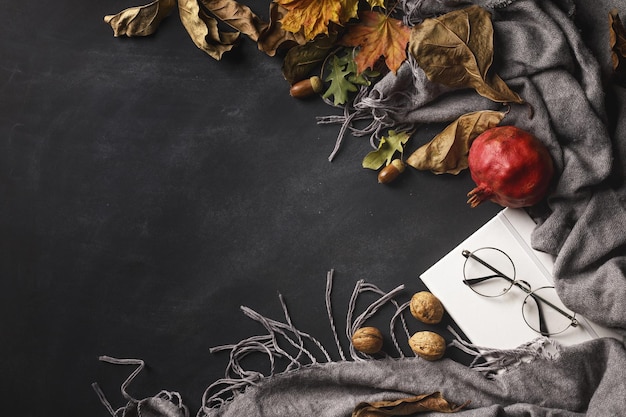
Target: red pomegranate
[510, 167]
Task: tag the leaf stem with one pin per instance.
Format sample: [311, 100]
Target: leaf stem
[392, 9]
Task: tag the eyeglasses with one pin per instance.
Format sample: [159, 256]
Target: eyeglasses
[490, 272]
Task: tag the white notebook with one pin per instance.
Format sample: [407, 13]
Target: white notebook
[498, 322]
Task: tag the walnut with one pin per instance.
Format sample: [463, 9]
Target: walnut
[367, 340]
[428, 345]
[426, 307]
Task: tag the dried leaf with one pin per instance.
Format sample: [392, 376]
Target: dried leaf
[376, 3]
[236, 15]
[456, 49]
[350, 9]
[140, 20]
[407, 406]
[387, 147]
[447, 152]
[274, 36]
[312, 17]
[617, 42]
[302, 59]
[203, 30]
[377, 34]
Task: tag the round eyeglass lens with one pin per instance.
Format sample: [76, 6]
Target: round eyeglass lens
[544, 312]
[489, 272]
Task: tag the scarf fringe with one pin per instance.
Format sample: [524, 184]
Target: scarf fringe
[491, 362]
[289, 349]
[165, 403]
[237, 378]
[388, 105]
[380, 111]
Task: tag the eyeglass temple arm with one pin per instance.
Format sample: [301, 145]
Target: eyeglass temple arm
[472, 281]
[499, 274]
[556, 308]
[543, 329]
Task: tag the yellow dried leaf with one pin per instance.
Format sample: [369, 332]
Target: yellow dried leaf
[434, 402]
[312, 17]
[456, 49]
[140, 20]
[350, 10]
[203, 30]
[376, 3]
[447, 152]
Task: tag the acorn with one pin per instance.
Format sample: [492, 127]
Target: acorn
[391, 171]
[306, 87]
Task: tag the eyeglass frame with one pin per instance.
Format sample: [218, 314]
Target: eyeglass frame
[521, 284]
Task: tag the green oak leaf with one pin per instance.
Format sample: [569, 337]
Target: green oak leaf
[362, 78]
[339, 87]
[387, 147]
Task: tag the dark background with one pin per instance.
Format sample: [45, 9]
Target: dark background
[147, 191]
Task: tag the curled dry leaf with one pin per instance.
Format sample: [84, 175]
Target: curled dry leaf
[203, 30]
[407, 406]
[238, 16]
[617, 42]
[456, 50]
[274, 36]
[447, 152]
[140, 20]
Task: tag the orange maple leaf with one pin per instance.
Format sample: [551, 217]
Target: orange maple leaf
[378, 35]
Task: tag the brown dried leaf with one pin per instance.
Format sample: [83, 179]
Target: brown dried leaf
[407, 406]
[447, 152]
[617, 42]
[456, 49]
[300, 61]
[203, 30]
[274, 36]
[140, 20]
[236, 15]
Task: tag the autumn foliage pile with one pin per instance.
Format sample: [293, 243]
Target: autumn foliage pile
[292, 22]
[347, 45]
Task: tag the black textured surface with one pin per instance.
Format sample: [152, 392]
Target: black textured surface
[147, 191]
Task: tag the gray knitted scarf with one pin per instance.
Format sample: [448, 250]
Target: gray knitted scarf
[541, 55]
[540, 378]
